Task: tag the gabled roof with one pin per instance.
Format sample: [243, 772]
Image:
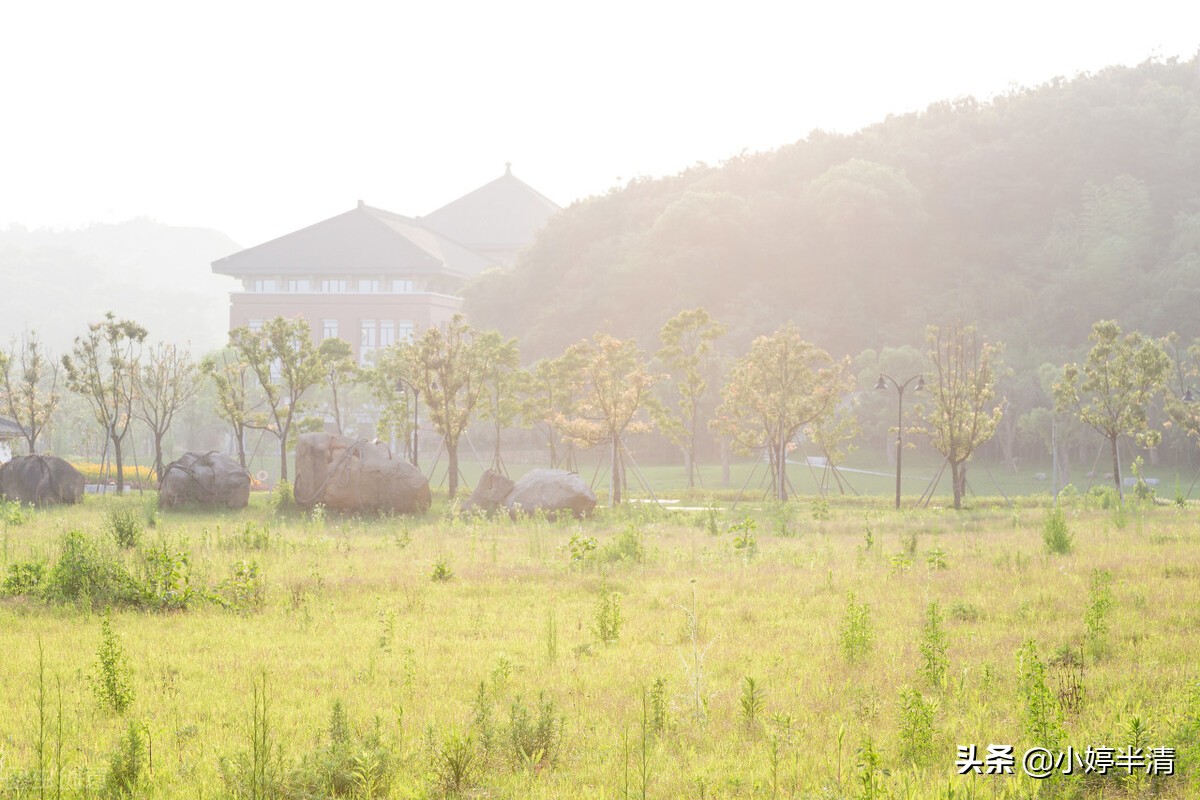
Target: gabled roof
[364, 239]
[504, 214]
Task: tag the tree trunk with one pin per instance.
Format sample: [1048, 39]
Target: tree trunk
[283, 473]
[956, 469]
[337, 411]
[689, 467]
[781, 493]
[725, 467]
[158, 458]
[452, 466]
[1116, 459]
[239, 433]
[614, 483]
[120, 467]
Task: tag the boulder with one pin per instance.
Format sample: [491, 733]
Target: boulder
[204, 479]
[351, 475]
[551, 491]
[41, 480]
[490, 493]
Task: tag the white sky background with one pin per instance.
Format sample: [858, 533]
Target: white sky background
[258, 118]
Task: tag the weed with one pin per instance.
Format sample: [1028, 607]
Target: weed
[316, 516]
[916, 725]
[454, 763]
[24, 578]
[908, 544]
[259, 774]
[658, 705]
[86, 576]
[13, 513]
[551, 636]
[712, 520]
[962, 611]
[282, 500]
[1043, 718]
[935, 558]
[744, 540]
[441, 570]
[387, 629]
[346, 762]
[166, 583]
[626, 546]
[533, 742]
[752, 702]
[124, 523]
[695, 664]
[245, 590]
[870, 777]
[820, 509]
[111, 682]
[127, 764]
[482, 723]
[581, 548]
[856, 634]
[1095, 618]
[606, 617]
[868, 537]
[1059, 540]
[934, 663]
[1068, 669]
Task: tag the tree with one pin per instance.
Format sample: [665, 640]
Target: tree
[167, 380]
[500, 377]
[103, 369]
[286, 364]
[29, 387]
[449, 367]
[616, 385]
[961, 413]
[687, 340]
[550, 392]
[233, 396]
[1111, 391]
[781, 385]
[340, 369]
[389, 382]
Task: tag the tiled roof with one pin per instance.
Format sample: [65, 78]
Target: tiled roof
[505, 213]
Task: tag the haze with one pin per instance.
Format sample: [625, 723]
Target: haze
[256, 119]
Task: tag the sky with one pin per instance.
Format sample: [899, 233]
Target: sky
[257, 118]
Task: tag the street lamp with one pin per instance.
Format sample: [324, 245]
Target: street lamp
[900, 387]
[401, 385]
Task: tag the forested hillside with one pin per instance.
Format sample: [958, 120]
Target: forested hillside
[1031, 215]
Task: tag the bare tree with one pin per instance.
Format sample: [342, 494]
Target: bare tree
[168, 378]
[29, 387]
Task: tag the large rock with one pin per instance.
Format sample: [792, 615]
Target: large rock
[350, 475]
[41, 480]
[551, 491]
[204, 479]
[490, 493]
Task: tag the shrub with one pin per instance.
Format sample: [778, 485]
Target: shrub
[916, 725]
[87, 576]
[13, 513]
[1059, 540]
[127, 763]
[111, 681]
[934, 663]
[347, 762]
[245, 590]
[625, 546]
[1043, 717]
[606, 617]
[166, 585]
[124, 522]
[856, 633]
[24, 578]
[533, 743]
[282, 500]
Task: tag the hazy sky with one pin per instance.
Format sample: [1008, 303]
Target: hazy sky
[257, 118]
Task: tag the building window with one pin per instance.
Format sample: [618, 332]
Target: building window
[371, 286]
[329, 329]
[265, 285]
[402, 286]
[405, 330]
[387, 333]
[299, 285]
[366, 349]
[335, 286]
[254, 324]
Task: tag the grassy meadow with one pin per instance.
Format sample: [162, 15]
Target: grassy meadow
[821, 649]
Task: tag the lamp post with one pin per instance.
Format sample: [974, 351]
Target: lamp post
[900, 387]
[402, 385]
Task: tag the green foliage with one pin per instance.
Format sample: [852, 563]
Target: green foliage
[626, 546]
[752, 702]
[166, 582]
[659, 708]
[127, 764]
[916, 725]
[346, 762]
[282, 500]
[870, 771]
[606, 617]
[111, 679]
[1095, 618]
[856, 635]
[533, 741]
[581, 548]
[933, 647]
[455, 764]
[744, 540]
[88, 576]
[124, 521]
[13, 514]
[245, 590]
[1055, 534]
[441, 570]
[1043, 717]
[24, 578]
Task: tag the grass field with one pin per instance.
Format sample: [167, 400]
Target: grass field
[771, 652]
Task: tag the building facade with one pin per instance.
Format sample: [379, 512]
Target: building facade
[372, 277]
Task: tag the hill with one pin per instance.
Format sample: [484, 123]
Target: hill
[57, 281]
[1031, 215]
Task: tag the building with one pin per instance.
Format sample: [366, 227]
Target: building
[372, 277]
[9, 432]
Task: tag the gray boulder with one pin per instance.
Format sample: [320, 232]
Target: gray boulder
[490, 493]
[349, 475]
[551, 491]
[41, 480]
[212, 480]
